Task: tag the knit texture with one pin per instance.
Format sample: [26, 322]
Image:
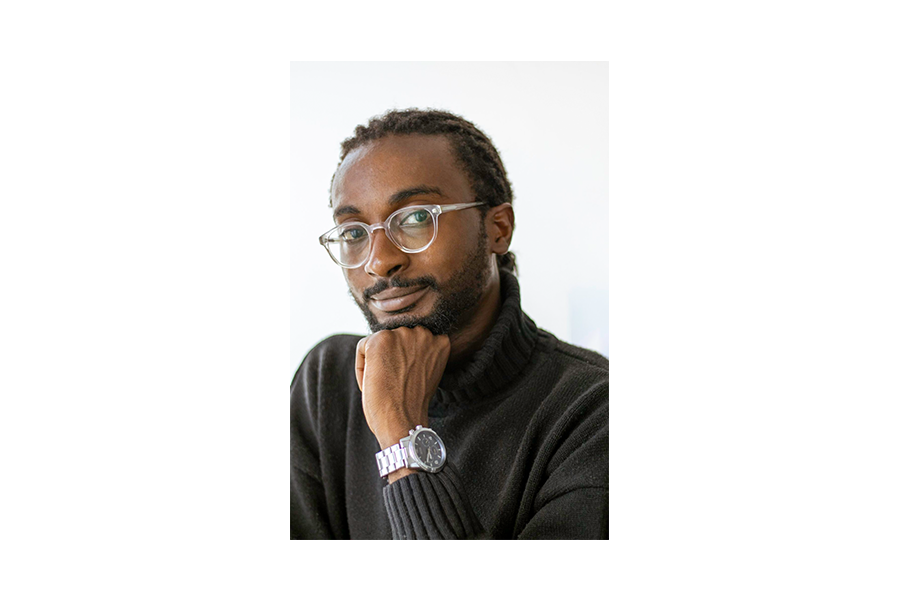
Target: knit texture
[525, 422]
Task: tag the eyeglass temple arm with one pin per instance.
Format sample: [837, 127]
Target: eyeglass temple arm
[452, 207]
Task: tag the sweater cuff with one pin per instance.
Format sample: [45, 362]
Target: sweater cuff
[430, 506]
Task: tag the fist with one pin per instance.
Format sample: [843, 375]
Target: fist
[398, 371]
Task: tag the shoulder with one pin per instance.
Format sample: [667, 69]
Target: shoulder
[571, 423]
[573, 364]
[588, 358]
[570, 385]
[573, 384]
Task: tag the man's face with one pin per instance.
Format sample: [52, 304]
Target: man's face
[440, 287]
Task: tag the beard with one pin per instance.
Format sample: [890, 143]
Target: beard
[454, 298]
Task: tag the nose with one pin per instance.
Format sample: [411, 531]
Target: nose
[385, 259]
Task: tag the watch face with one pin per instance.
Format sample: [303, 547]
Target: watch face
[429, 450]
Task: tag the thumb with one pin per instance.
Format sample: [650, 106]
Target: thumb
[360, 362]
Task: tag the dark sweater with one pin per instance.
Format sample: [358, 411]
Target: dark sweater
[525, 423]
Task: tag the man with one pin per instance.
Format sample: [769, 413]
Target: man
[457, 417]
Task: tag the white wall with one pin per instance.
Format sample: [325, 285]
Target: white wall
[550, 123]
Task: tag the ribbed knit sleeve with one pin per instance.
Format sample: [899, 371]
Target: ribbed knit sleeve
[431, 506]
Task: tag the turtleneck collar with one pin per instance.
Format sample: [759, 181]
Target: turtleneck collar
[504, 354]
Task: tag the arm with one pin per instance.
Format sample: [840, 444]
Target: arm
[573, 501]
[309, 517]
[431, 506]
[398, 372]
[581, 514]
[309, 512]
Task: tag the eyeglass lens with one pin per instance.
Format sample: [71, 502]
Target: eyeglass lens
[412, 228]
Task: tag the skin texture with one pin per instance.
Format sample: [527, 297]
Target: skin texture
[399, 366]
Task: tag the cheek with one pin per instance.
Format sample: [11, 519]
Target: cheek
[452, 246]
[355, 282]
[439, 261]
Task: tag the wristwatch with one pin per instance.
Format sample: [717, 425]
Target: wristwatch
[421, 449]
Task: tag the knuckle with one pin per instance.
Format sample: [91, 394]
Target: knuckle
[378, 337]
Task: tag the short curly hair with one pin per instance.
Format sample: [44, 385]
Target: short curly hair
[474, 150]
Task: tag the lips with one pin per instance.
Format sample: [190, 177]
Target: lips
[397, 298]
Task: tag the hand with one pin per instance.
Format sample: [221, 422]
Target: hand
[398, 371]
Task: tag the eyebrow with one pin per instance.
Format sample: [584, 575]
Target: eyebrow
[397, 197]
[423, 190]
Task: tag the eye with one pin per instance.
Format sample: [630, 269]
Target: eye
[354, 233]
[416, 217]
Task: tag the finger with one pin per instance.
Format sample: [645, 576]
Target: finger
[360, 362]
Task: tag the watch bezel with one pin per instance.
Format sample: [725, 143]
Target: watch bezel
[411, 451]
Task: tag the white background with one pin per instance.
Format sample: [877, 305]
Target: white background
[549, 122]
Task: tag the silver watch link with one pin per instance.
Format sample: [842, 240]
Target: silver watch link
[422, 449]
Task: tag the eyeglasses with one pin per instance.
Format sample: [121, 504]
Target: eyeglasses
[412, 229]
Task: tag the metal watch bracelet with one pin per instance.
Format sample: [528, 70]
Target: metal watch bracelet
[392, 458]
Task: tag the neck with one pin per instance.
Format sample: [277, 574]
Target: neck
[468, 339]
[498, 359]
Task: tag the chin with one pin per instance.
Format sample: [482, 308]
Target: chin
[436, 321]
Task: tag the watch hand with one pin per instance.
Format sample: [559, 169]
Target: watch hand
[428, 457]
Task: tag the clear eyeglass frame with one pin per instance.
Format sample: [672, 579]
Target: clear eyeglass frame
[434, 209]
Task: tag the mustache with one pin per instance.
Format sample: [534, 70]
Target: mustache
[383, 284]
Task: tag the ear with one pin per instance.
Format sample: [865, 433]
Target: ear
[500, 222]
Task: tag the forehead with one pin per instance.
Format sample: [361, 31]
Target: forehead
[372, 173]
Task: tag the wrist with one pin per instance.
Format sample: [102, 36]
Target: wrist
[399, 474]
[418, 449]
[389, 436]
